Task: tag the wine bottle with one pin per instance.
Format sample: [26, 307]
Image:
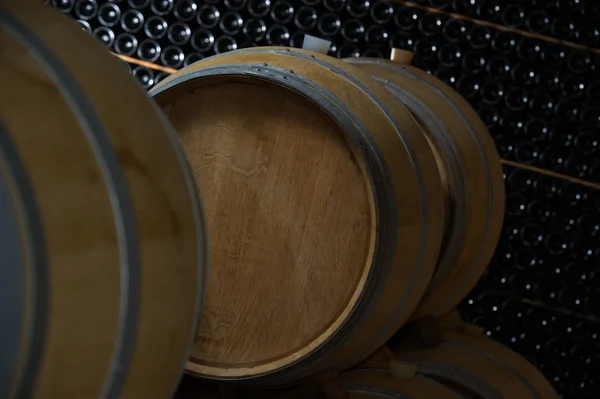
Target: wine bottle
[282, 12]
[353, 30]
[144, 76]
[449, 55]
[464, 7]
[179, 33]
[84, 25]
[255, 29]
[158, 77]
[208, 16]
[109, 14]
[86, 9]
[224, 44]
[132, 21]
[64, 6]
[513, 15]
[474, 62]
[406, 18]
[149, 50]
[376, 36]
[358, 8]
[498, 68]
[579, 61]
[488, 10]
[334, 5]
[530, 50]
[522, 75]
[425, 50]
[202, 40]
[125, 44]
[516, 99]
[231, 23]
[382, 12]
[172, 56]
[259, 8]
[504, 43]
[156, 27]
[431, 24]
[306, 18]
[348, 50]
[138, 4]
[185, 10]
[562, 29]
[235, 5]
[542, 104]
[161, 7]
[329, 24]
[479, 37]
[278, 35]
[468, 86]
[192, 57]
[537, 21]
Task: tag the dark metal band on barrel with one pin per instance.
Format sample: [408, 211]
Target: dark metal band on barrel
[13, 276]
[200, 228]
[445, 372]
[358, 135]
[385, 393]
[488, 173]
[436, 127]
[471, 130]
[116, 184]
[506, 366]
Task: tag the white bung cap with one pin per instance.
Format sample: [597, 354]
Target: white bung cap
[316, 44]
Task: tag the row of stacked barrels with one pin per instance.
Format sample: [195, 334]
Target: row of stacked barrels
[344, 199]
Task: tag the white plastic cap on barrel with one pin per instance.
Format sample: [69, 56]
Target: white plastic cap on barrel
[316, 44]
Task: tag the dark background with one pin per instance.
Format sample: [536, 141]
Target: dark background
[539, 96]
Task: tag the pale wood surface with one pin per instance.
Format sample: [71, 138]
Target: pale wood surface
[470, 255]
[395, 303]
[273, 167]
[78, 221]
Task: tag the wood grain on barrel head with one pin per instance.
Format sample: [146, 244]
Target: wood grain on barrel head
[364, 230]
[290, 219]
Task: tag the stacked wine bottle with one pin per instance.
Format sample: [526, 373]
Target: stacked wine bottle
[539, 100]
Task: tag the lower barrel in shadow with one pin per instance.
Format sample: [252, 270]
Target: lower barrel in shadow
[102, 236]
[475, 364]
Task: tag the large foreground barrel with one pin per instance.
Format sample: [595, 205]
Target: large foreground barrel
[325, 210]
[102, 246]
[470, 168]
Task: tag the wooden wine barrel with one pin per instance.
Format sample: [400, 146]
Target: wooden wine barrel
[470, 169]
[482, 366]
[325, 211]
[375, 383]
[102, 241]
